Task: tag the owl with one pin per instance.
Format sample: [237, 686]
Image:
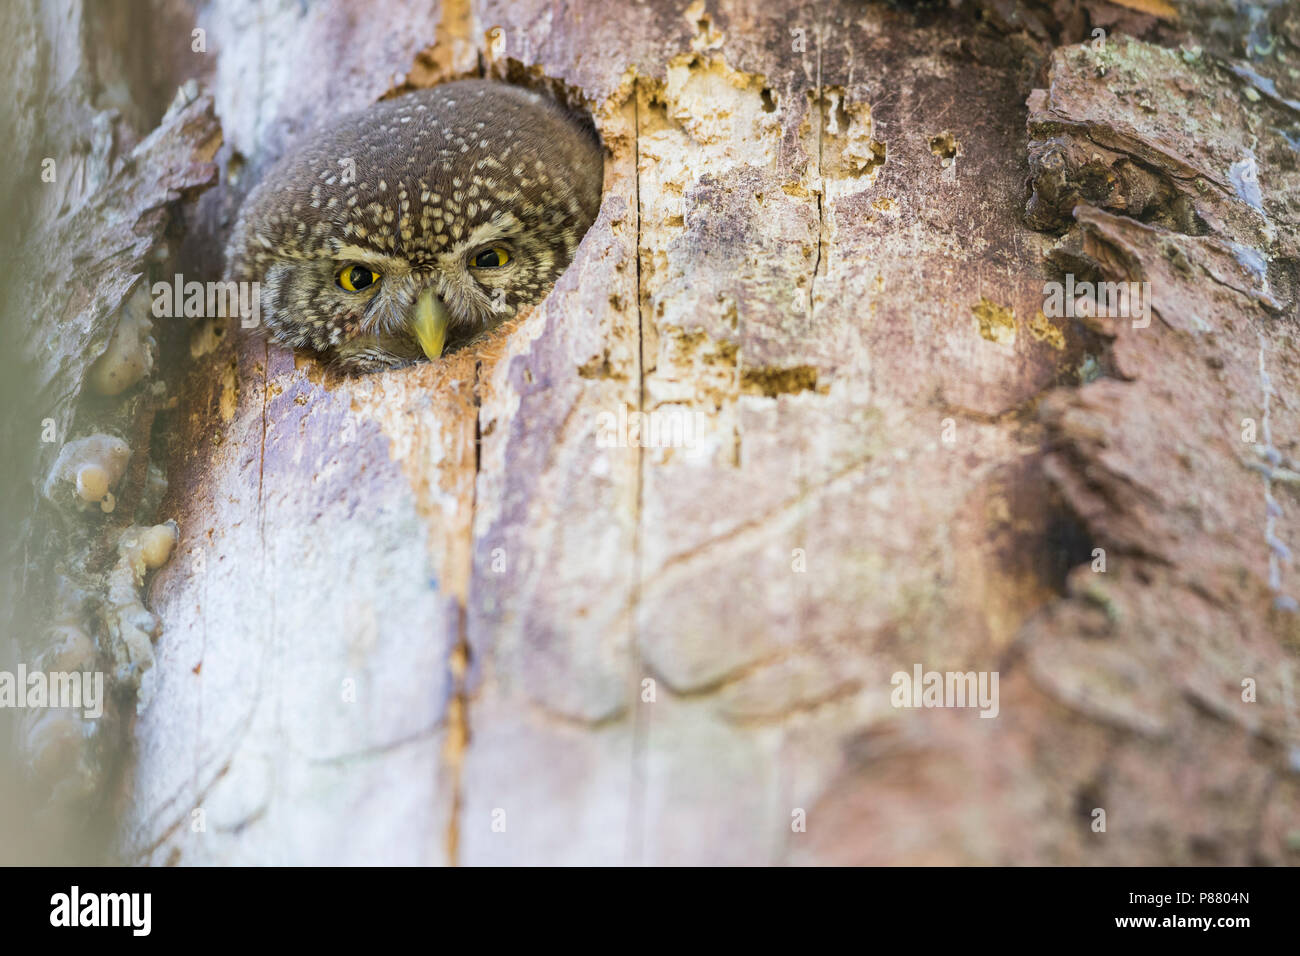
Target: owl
[438, 213]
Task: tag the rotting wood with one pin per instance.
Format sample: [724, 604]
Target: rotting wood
[405, 602]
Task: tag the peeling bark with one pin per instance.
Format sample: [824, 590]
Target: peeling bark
[405, 603]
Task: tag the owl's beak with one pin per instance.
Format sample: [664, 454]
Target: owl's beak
[430, 323]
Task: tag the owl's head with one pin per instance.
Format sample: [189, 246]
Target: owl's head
[442, 211]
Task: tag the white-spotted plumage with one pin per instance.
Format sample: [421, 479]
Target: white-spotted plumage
[382, 191]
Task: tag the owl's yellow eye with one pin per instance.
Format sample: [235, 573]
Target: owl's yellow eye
[493, 258]
[356, 278]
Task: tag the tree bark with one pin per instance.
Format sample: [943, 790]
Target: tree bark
[471, 612]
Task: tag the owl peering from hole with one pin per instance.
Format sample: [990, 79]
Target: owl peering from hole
[435, 214]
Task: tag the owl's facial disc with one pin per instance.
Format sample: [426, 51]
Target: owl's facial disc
[395, 301]
[458, 206]
[398, 298]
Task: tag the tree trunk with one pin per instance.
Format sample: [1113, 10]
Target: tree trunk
[632, 580]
